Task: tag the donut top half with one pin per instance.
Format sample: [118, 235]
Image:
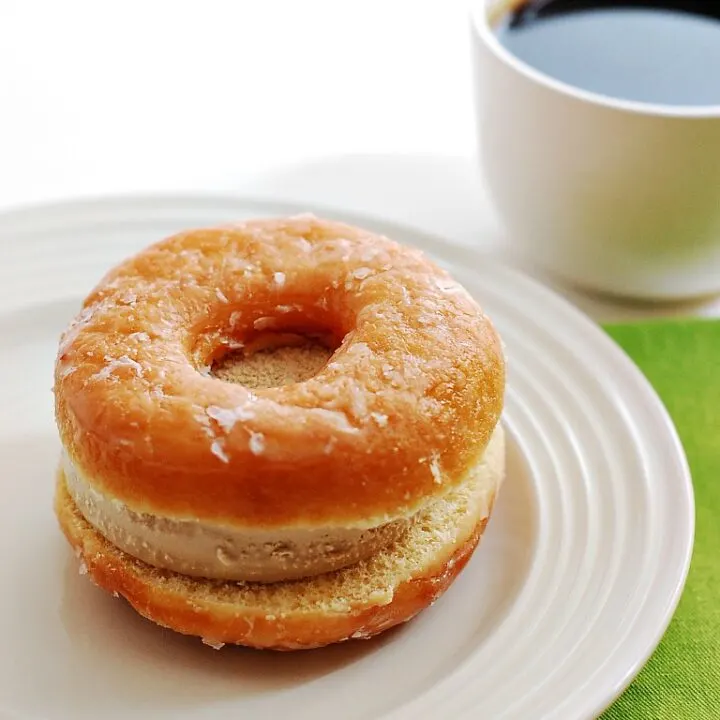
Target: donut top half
[400, 413]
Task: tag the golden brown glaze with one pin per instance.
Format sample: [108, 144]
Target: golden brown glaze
[405, 406]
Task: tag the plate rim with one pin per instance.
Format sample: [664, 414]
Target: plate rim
[434, 243]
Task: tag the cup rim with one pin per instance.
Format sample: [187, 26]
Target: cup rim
[481, 26]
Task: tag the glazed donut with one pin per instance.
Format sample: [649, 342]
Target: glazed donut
[172, 469]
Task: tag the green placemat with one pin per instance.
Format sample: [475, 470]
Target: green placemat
[682, 679]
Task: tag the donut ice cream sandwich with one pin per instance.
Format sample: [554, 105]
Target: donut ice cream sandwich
[281, 433]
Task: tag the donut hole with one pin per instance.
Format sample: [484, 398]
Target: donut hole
[275, 359]
[264, 344]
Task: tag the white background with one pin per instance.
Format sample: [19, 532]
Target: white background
[358, 105]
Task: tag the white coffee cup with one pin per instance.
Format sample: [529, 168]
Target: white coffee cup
[613, 196]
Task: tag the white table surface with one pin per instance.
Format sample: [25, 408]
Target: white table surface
[358, 105]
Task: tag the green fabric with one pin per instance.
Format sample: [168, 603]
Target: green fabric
[682, 679]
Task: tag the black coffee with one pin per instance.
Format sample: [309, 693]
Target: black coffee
[665, 52]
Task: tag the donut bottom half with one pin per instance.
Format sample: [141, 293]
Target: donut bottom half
[360, 601]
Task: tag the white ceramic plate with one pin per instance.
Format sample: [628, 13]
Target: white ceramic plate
[570, 591]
